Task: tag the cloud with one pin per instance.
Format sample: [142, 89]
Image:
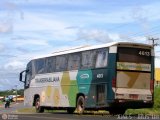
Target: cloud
[131, 14]
[6, 27]
[43, 26]
[39, 21]
[23, 50]
[9, 73]
[54, 2]
[36, 42]
[8, 83]
[72, 27]
[14, 65]
[157, 62]
[7, 55]
[2, 48]
[7, 14]
[101, 36]
[93, 35]
[140, 39]
[5, 84]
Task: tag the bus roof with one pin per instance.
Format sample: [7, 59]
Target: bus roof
[87, 47]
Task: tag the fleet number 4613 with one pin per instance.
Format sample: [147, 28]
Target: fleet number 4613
[144, 53]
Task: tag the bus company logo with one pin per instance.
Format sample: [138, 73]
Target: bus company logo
[84, 76]
[4, 116]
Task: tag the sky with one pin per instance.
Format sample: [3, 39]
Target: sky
[29, 28]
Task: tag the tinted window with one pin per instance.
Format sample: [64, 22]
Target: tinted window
[102, 57]
[88, 59]
[50, 64]
[40, 66]
[74, 61]
[61, 63]
[28, 74]
[134, 55]
[33, 68]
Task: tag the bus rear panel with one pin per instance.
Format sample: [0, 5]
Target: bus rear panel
[134, 77]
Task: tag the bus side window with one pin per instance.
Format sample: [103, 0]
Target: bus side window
[40, 66]
[88, 59]
[61, 63]
[50, 64]
[102, 57]
[74, 61]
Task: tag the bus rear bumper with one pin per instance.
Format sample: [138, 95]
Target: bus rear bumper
[132, 104]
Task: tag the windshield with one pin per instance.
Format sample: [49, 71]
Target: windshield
[28, 74]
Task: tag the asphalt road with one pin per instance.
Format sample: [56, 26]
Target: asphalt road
[12, 109]
[56, 116]
[65, 116]
[11, 114]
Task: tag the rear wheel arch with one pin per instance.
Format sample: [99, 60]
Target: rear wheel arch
[79, 94]
[80, 103]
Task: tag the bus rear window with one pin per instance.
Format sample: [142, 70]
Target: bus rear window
[134, 55]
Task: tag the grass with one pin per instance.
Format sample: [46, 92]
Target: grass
[51, 111]
[1, 102]
[157, 97]
[149, 111]
[27, 110]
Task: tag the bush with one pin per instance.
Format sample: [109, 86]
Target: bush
[157, 97]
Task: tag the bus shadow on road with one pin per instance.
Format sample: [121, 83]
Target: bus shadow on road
[76, 113]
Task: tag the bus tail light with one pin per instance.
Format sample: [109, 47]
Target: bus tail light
[114, 82]
[119, 96]
[152, 86]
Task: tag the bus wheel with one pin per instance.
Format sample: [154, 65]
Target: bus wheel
[70, 110]
[39, 109]
[80, 104]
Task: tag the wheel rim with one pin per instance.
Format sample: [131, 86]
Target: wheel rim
[37, 104]
[80, 105]
[80, 108]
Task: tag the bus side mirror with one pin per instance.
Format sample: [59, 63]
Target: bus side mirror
[21, 75]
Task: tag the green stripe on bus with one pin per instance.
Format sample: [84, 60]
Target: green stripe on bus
[84, 78]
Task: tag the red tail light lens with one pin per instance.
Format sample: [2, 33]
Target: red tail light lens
[114, 82]
[152, 86]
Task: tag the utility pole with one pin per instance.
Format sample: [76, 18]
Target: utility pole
[154, 44]
[16, 92]
[153, 41]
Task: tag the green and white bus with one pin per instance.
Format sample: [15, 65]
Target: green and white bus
[114, 77]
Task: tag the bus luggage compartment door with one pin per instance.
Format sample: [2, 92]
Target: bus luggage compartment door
[100, 94]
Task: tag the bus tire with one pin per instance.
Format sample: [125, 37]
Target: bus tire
[70, 110]
[80, 105]
[39, 109]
